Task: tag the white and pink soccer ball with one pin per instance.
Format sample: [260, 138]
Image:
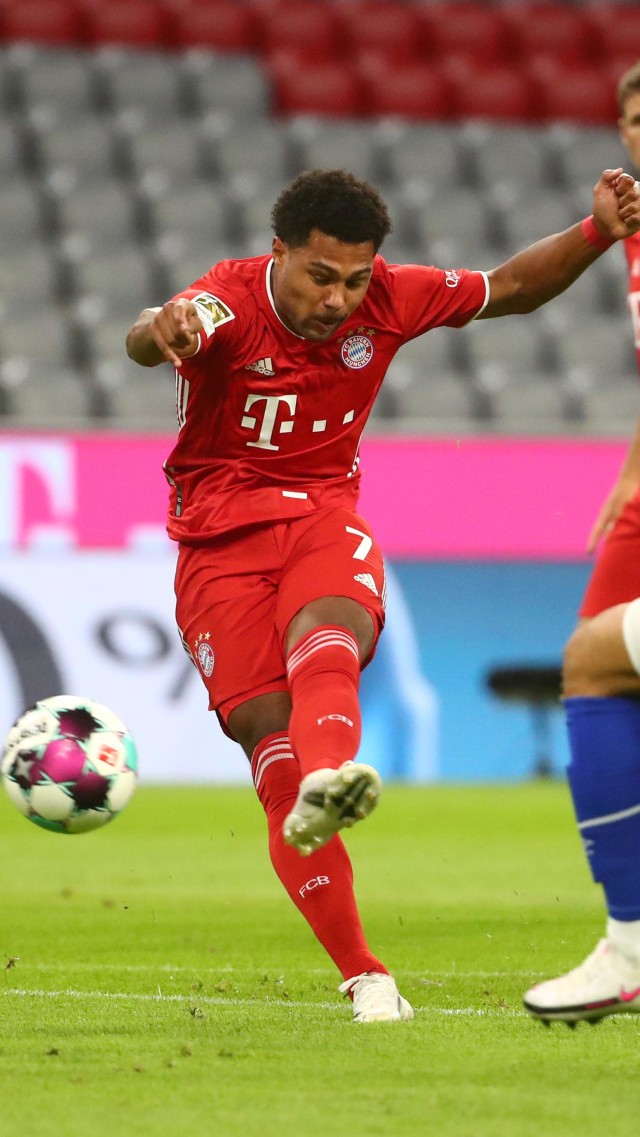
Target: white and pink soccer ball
[69, 764]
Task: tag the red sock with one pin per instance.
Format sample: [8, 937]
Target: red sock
[324, 674]
[321, 886]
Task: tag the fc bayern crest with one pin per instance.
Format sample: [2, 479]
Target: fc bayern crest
[357, 351]
[205, 658]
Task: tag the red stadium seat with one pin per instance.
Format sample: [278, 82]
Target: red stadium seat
[144, 24]
[498, 92]
[465, 28]
[413, 91]
[616, 30]
[225, 25]
[556, 30]
[580, 94]
[329, 89]
[309, 28]
[376, 25]
[42, 21]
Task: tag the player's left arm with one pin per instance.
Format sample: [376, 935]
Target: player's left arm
[545, 269]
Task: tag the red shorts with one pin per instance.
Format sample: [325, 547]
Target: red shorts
[616, 576]
[236, 596]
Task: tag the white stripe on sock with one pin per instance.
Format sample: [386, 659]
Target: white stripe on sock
[278, 747]
[608, 818]
[317, 643]
[263, 765]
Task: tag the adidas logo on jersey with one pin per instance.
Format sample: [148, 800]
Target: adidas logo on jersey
[262, 366]
[368, 581]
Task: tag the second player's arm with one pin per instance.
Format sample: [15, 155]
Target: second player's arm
[545, 269]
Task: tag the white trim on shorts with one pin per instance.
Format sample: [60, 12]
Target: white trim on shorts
[631, 632]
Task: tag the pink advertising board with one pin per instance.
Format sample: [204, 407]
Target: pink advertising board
[425, 497]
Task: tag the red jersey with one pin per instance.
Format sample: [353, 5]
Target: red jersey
[632, 252]
[270, 423]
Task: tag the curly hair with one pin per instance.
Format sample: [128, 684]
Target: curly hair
[335, 202]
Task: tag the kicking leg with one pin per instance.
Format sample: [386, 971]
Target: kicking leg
[321, 889]
[325, 643]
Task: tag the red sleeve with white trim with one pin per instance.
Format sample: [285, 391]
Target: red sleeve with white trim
[426, 297]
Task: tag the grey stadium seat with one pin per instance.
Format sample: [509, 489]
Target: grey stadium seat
[580, 155]
[81, 141]
[102, 211]
[55, 77]
[212, 82]
[145, 146]
[604, 346]
[317, 143]
[22, 215]
[139, 79]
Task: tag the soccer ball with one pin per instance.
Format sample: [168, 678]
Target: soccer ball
[69, 764]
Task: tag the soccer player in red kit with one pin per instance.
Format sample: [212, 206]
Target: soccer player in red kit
[616, 576]
[280, 584]
[601, 681]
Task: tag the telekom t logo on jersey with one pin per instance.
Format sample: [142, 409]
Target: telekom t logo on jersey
[269, 410]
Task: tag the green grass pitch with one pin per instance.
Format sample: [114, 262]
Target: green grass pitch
[157, 980]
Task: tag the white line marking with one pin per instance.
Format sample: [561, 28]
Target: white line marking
[211, 1000]
[228, 968]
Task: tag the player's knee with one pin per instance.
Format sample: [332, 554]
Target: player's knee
[599, 656]
[256, 718]
[581, 668]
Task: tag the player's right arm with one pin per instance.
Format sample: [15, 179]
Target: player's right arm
[167, 334]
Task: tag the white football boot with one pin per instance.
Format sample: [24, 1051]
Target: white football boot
[376, 999]
[607, 983]
[329, 800]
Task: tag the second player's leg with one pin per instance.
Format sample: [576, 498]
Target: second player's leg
[602, 709]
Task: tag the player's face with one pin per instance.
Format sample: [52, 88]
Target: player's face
[629, 125]
[317, 286]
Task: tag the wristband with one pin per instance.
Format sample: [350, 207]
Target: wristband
[594, 236]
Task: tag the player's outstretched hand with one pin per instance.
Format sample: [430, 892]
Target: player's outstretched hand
[174, 330]
[616, 204]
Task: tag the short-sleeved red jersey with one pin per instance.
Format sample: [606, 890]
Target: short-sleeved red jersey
[632, 251]
[270, 423]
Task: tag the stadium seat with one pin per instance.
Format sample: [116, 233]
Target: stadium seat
[581, 154]
[413, 91]
[169, 148]
[616, 31]
[562, 32]
[125, 77]
[475, 31]
[224, 25]
[57, 76]
[328, 89]
[329, 145]
[500, 93]
[78, 141]
[531, 216]
[11, 165]
[604, 346]
[209, 81]
[28, 275]
[394, 31]
[504, 155]
[76, 203]
[301, 26]
[580, 94]
[42, 21]
[144, 24]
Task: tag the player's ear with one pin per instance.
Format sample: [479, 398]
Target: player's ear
[278, 249]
